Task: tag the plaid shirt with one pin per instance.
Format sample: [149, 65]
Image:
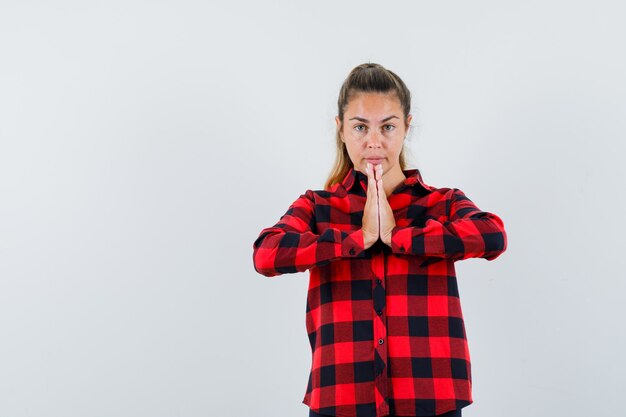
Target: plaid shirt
[385, 324]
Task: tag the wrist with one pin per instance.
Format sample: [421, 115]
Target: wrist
[368, 239]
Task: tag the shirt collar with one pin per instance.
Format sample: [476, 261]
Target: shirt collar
[413, 178]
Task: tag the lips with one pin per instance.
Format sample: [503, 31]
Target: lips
[375, 160]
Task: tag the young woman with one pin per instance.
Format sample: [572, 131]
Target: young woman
[383, 312]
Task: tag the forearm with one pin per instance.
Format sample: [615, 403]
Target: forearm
[277, 251]
[474, 237]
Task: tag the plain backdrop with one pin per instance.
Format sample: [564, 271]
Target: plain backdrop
[145, 144]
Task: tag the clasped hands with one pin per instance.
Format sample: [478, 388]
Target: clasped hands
[378, 220]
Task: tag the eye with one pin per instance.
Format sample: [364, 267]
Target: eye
[392, 127]
[357, 127]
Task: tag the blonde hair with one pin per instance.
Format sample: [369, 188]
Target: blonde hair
[368, 77]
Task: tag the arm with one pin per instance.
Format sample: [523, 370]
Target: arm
[292, 246]
[470, 233]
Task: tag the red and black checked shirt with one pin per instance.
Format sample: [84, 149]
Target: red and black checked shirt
[385, 324]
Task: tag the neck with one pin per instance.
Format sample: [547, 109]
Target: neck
[392, 180]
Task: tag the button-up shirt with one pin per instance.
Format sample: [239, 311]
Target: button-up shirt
[385, 323]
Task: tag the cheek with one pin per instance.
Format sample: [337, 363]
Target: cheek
[354, 148]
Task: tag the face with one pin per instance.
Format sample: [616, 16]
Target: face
[374, 130]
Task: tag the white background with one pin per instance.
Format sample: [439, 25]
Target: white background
[144, 145]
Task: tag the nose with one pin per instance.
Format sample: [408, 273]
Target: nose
[374, 140]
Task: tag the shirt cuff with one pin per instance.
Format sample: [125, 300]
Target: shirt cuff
[352, 244]
[402, 240]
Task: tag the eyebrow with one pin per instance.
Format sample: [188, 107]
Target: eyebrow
[361, 119]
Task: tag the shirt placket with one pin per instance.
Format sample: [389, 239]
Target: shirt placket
[380, 334]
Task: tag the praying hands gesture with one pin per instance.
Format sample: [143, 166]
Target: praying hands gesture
[378, 220]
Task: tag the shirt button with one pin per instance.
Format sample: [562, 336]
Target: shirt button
[379, 281]
[379, 312]
[401, 248]
[352, 252]
[381, 341]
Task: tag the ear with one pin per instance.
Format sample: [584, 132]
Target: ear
[408, 119]
[338, 124]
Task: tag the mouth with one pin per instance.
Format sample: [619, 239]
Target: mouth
[375, 161]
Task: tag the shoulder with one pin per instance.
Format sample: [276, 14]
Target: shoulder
[335, 191]
[312, 197]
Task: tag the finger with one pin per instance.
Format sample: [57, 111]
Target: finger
[381, 195]
[371, 181]
[377, 173]
[379, 177]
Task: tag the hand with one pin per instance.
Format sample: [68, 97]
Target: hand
[378, 220]
[386, 220]
[370, 225]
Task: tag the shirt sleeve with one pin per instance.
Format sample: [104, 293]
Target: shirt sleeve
[469, 233]
[292, 244]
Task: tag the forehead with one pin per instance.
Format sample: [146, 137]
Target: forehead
[363, 103]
